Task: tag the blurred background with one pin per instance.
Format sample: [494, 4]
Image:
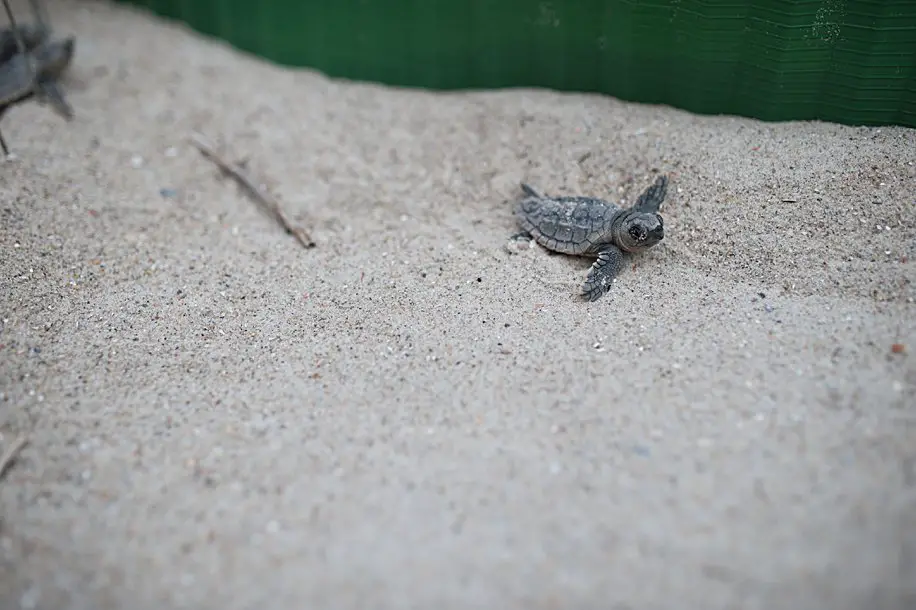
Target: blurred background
[846, 61]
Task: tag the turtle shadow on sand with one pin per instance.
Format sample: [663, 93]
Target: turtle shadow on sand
[594, 228]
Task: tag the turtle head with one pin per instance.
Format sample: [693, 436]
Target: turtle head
[638, 231]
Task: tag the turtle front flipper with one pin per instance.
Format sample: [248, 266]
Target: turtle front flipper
[653, 196]
[52, 93]
[602, 273]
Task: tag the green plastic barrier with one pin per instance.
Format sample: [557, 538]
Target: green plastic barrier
[846, 61]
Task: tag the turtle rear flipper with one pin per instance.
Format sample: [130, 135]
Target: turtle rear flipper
[529, 192]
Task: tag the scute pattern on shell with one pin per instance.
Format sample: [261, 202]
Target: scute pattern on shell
[571, 225]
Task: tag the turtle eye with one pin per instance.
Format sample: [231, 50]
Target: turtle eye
[637, 233]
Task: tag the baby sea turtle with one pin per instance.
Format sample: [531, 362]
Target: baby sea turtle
[586, 226]
[42, 66]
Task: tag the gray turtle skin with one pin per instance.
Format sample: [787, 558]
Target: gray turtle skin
[31, 35]
[587, 226]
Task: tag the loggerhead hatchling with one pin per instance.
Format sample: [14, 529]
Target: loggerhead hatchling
[587, 226]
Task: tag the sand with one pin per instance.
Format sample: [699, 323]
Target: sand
[409, 415]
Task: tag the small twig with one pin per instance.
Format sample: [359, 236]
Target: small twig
[271, 205]
[11, 454]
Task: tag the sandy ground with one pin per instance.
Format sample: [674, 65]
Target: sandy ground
[410, 416]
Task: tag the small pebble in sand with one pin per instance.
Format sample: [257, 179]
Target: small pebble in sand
[136, 161]
[171, 151]
[168, 193]
[898, 348]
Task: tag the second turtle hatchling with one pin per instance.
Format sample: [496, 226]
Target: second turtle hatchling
[587, 226]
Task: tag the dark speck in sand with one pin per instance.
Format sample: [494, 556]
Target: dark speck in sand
[641, 450]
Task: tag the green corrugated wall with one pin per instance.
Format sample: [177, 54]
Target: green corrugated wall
[847, 61]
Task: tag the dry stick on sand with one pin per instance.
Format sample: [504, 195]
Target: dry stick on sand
[271, 205]
[11, 454]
